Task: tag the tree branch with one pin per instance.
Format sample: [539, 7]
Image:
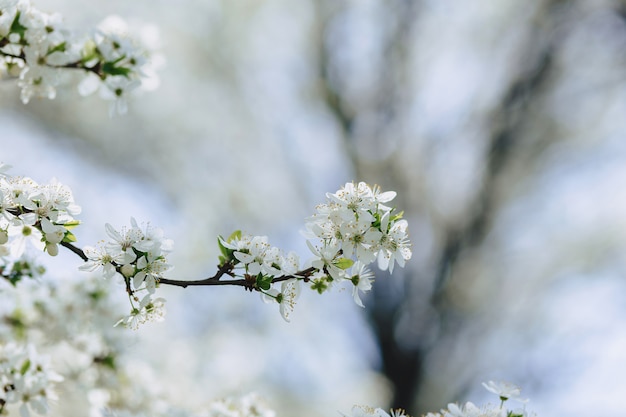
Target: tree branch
[96, 69]
[78, 251]
[225, 269]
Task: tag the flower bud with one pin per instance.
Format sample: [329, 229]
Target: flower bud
[128, 270]
[52, 249]
[4, 237]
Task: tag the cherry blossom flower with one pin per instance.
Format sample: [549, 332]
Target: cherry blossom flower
[101, 258]
[361, 279]
[286, 297]
[504, 390]
[470, 410]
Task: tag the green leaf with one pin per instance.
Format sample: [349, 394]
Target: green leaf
[69, 237]
[109, 68]
[71, 225]
[16, 26]
[264, 282]
[223, 248]
[236, 235]
[376, 222]
[227, 253]
[14, 279]
[343, 263]
[18, 323]
[25, 367]
[59, 48]
[397, 216]
[107, 361]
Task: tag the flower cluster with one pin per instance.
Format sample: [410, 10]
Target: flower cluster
[355, 222]
[139, 256]
[26, 380]
[40, 213]
[74, 316]
[70, 320]
[263, 265]
[504, 390]
[352, 229]
[36, 48]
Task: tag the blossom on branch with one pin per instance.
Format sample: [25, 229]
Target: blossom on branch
[504, 390]
[356, 222]
[286, 297]
[138, 255]
[37, 49]
[40, 213]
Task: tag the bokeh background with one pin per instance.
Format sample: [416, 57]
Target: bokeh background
[499, 123]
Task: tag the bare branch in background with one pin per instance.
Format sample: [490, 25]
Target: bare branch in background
[403, 363]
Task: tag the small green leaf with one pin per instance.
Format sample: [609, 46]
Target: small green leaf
[110, 68]
[69, 237]
[397, 216]
[343, 263]
[71, 225]
[59, 48]
[107, 361]
[97, 295]
[264, 282]
[236, 235]
[18, 323]
[25, 367]
[16, 26]
[227, 253]
[223, 248]
[376, 222]
[14, 279]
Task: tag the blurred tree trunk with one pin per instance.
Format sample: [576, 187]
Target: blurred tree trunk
[394, 299]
